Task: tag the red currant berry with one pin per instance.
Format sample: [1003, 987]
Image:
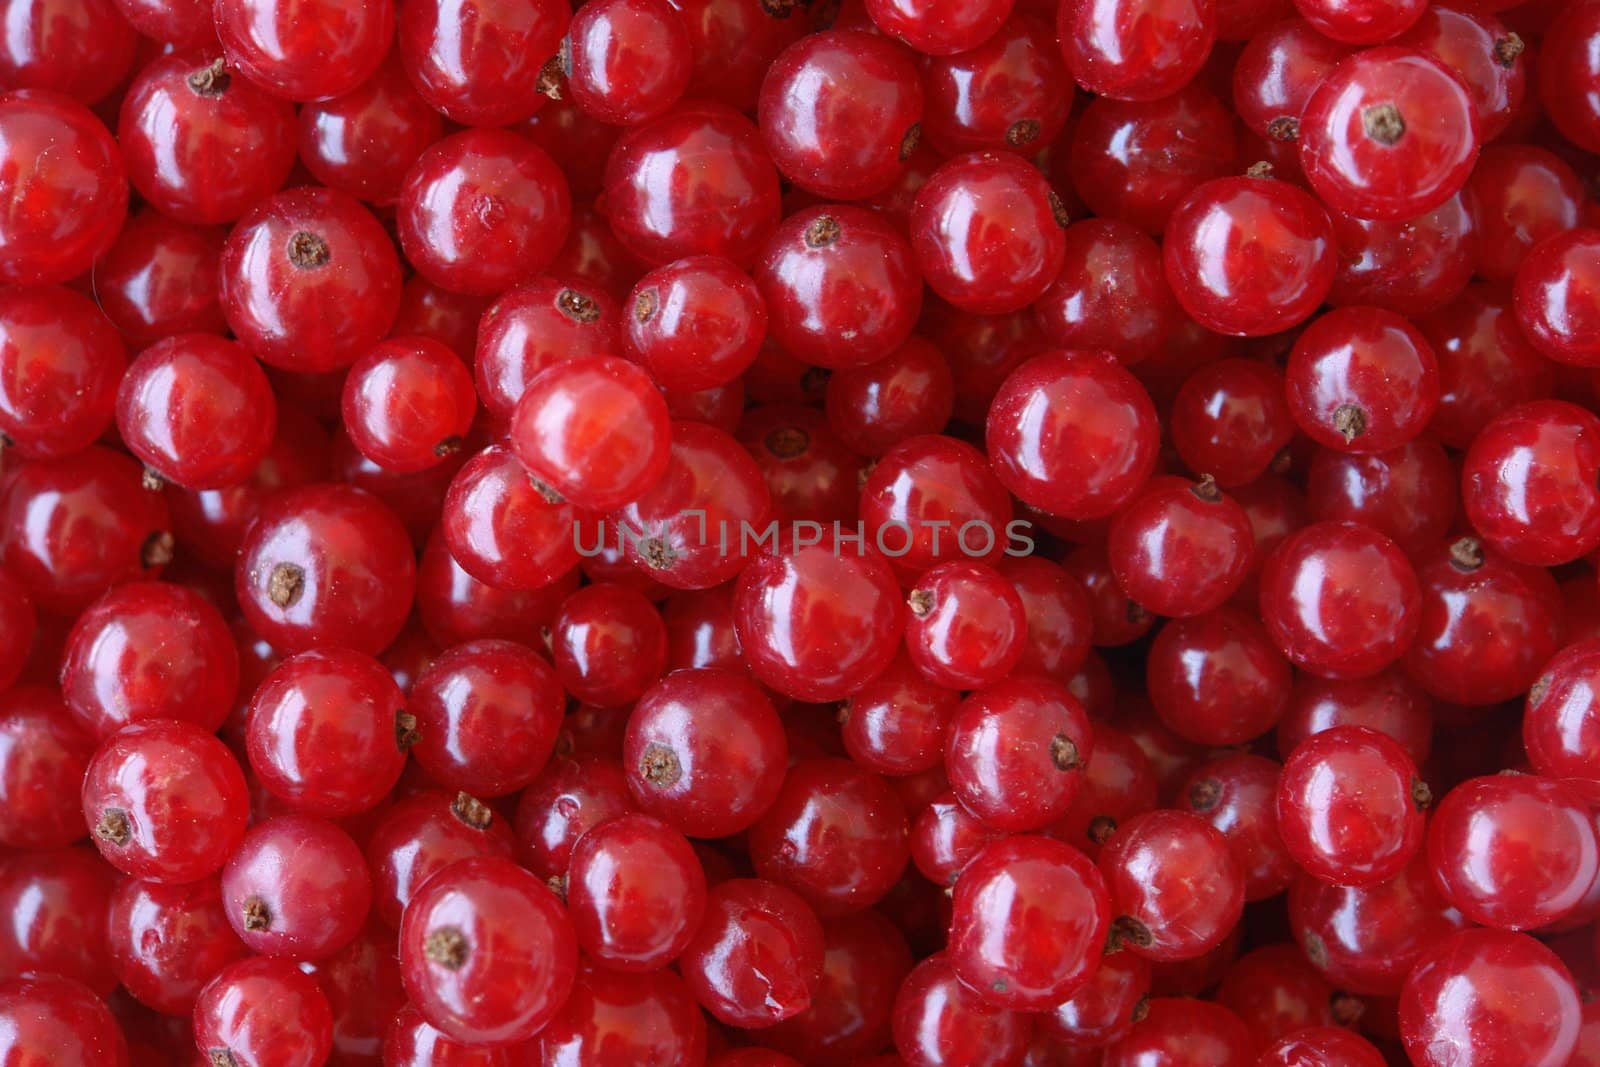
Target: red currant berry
[51, 1019]
[1530, 483]
[1182, 1030]
[506, 529]
[940, 1022]
[1008, 93]
[60, 362]
[1129, 51]
[262, 1010]
[1180, 547]
[1175, 889]
[569, 798]
[1362, 380]
[297, 887]
[757, 957]
[1016, 753]
[627, 61]
[43, 755]
[967, 627]
[637, 1018]
[408, 403]
[1558, 297]
[364, 141]
[60, 919]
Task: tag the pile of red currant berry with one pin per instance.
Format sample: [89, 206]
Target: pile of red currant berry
[799, 533]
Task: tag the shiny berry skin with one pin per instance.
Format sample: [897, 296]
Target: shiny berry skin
[594, 430]
[1483, 997]
[1409, 494]
[840, 285]
[1530, 483]
[1129, 51]
[896, 724]
[1524, 195]
[933, 499]
[149, 650]
[1412, 266]
[1238, 795]
[167, 941]
[865, 960]
[1362, 380]
[839, 112]
[1277, 72]
[705, 752]
[71, 528]
[363, 141]
[908, 393]
[1351, 806]
[56, 144]
[1009, 93]
[57, 902]
[1136, 161]
[486, 953]
[1110, 293]
[198, 410]
[1361, 22]
[306, 50]
[945, 837]
[485, 717]
[987, 232]
[757, 958]
[815, 624]
[694, 181]
[504, 530]
[635, 893]
[940, 1022]
[262, 1010]
[1321, 1046]
[1175, 888]
[1387, 702]
[1486, 365]
[407, 403]
[82, 50]
[1488, 625]
[326, 732]
[43, 754]
[421, 835]
[181, 22]
[297, 887]
[1180, 547]
[1389, 134]
[1016, 753]
[326, 565]
[310, 280]
[611, 1016]
[202, 144]
[1249, 256]
[1566, 69]
[569, 797]
[481, 63]
[938, 27]
[608, 644]
[165, 801]
[60, 362]
[547, 320]
[967, 626]
[626, 61]
[1512, 851]
[1180, 1030]
[1058, 617]
[483, 210]
[836, 835]
[1216, 678]
[1562, 721]
[454, 607]
[1230, 420]
[696, 526]
[1558, 297]
[1106, 1006]
[1340, 599]
[50, 1019]
[1072, 433]
[1029, 922]
[696, 323]
[160, 278]
[1364, 939]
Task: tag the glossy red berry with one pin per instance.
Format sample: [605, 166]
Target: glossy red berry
[571, 796]
[1340, 599]
[696, 323]
[1504, 996]
[326, 565]
[608, 644]
[1524, 195]
[1183, 1030]
[1249, 256]
[1566, 63]
[149, 650]
[758, 955]
[705, 752]
[1029, 922]
[1072, 433]
[486, 952]
[60, 362]
[967, 626]
[1321, 1046]
[363, 142]
[627, 61]
[504, 529]
[56, 144]
[1110, 293]
[297, 887]
[1217, 678]
[1016, 753]
[408, 403]
[1409, 494]
[1180, 547]
[940, 1022]
[198, 410]
[423, 834]
[263, 1010]
[1362, 380]
[60, 918]
[1411, 266]
[635, 893]
[1277, 72]
[56, 1020]
[1009, 93]
[1230, 420]
[1175, 889]
[1128, 51]
[43, 755]
[1389, 134]
[165, 800]
[1530, 483]
[836, 835]
[310, 280]
[1558, 297]
[1512, 851]
[481, 63]
[638, 1018]
[166, 941]
[1486, 365]
[839, 112]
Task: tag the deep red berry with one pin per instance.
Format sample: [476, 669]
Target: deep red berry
[263, 1010]
[297, 887]
[1362, 380]
[1175, 889]
[1016, 753]
[1128, 51]
[60, 362]
[1530, 483]
[408, 403]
